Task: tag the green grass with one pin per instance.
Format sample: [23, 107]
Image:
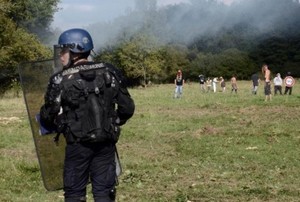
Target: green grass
[202, 147]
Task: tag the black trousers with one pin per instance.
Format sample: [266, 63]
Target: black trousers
[288, 90]
[279, 89]
[92, 162]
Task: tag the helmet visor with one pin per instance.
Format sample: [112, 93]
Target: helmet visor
[58, 50]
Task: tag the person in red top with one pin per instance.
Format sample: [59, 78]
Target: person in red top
[179, 82]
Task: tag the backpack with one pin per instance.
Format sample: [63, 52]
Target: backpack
[88, 102]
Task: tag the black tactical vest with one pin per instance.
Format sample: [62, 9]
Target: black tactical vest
[88, 103]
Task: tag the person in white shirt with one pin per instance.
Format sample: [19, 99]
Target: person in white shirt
[277, 84]
[215, 81]
[208, 84]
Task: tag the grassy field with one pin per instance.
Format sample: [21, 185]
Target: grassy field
[202, 147]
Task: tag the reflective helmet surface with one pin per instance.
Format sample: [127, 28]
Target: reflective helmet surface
[77, 40]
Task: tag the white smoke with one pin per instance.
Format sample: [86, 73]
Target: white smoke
[178, 19]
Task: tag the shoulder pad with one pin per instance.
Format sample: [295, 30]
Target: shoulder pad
[117, 73]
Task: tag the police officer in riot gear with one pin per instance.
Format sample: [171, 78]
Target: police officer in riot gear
[87, 102]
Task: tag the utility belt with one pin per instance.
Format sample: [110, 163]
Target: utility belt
[109, 133]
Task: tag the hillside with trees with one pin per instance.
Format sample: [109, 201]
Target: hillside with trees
[203, 37]
[24, 26]
[149, 43]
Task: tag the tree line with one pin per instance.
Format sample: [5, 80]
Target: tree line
[205, 37]
[25, 26]
[150, 43]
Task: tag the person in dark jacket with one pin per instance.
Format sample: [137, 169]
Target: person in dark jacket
[202, 82]
[87, 102]
[255, 83]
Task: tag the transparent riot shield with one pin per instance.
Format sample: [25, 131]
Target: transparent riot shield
[34, 77]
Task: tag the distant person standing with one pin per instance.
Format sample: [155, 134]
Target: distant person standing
[202, 82]
[255, 83]
[179, 82]
[214, 83]
[267, 74]
[289, 82]
[277, 84]
[208, 84]
[223, 84]
[233, 82]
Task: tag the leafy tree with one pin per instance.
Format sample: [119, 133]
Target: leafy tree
[138, 57]
[207, 64]
[16, 46]
[235, 62]
[175, 58]
[35, 16]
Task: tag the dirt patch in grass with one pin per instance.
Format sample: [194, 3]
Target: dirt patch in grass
[8, 120]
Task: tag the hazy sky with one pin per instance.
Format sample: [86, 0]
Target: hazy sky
[78, 13]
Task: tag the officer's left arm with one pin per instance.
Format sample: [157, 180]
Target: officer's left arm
[125, 105]
[51, 108]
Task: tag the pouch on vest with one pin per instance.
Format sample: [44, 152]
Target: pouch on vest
[94, 120]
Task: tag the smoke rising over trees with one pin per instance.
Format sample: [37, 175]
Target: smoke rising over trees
[215, 38]
[150, 42]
